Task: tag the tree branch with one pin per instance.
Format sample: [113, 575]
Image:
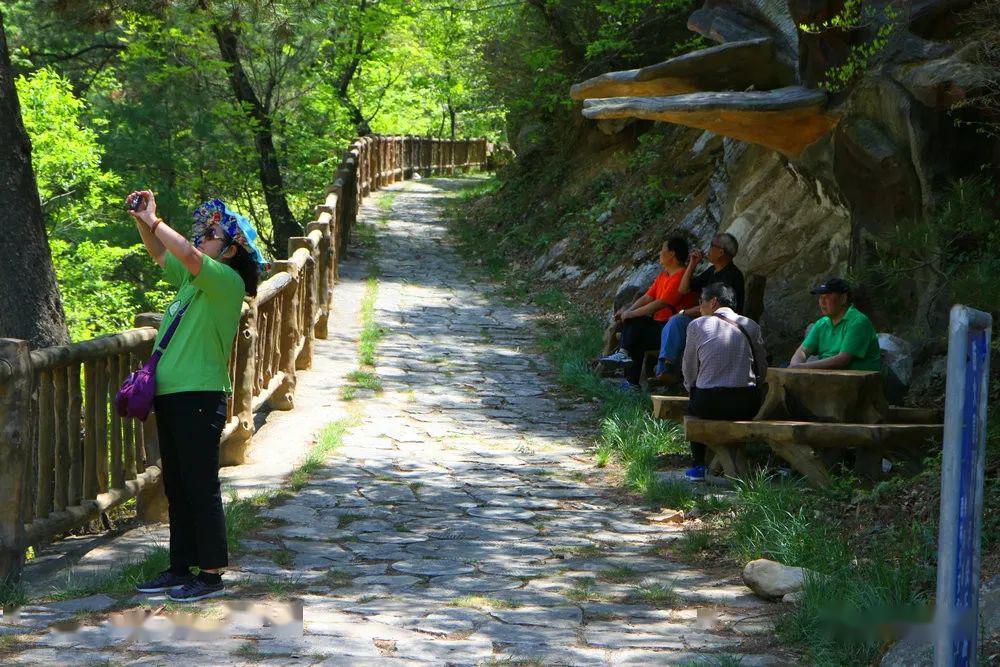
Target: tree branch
[62, 57]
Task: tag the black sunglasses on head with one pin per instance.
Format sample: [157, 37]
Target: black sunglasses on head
[211, 234]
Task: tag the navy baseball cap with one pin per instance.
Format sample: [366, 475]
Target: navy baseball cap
[832, 284]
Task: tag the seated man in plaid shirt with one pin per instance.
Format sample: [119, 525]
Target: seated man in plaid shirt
[724, 361]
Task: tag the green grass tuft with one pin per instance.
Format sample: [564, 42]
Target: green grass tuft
[329, 440]
[385, 202]
[694, 542]
[119, 583]
[12, 595]
[658, 594]
[585, 590]
[371, 332]
[365, 380]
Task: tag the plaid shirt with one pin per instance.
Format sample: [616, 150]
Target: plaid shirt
[717, 353]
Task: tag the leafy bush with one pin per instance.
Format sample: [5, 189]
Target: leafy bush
[950, 257]
[882, 22]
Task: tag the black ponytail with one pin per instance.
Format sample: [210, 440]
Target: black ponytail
[244, 265]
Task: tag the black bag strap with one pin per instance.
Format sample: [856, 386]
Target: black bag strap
[753, 355]
[162, 346]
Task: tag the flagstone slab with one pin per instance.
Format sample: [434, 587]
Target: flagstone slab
[509, 513]
[475, 583]
[448, 621]
[565, 617]
[392, 538]
[432, 567]
[503, 633]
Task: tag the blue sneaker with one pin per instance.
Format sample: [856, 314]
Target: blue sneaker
[695, 474]
[626, 386]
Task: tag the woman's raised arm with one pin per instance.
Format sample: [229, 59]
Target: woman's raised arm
[155, 249]
[159, 238]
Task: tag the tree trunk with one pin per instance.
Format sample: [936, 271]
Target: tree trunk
[560, 31]
[361, 125]
[30, 305]
[282, 220]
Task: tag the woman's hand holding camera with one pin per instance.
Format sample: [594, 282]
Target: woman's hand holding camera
[141, 205]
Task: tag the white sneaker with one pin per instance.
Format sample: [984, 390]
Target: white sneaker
[619, 357]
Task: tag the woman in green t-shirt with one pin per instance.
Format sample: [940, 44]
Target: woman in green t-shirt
[212, 275]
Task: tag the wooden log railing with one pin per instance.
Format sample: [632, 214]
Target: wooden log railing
[65, 455]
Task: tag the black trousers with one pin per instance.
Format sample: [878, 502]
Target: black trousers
[189, 425]
[730, 403]
[639, 335]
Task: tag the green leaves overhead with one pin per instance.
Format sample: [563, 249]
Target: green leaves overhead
[121, 94]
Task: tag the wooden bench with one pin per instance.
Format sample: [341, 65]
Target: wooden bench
[797, 442]
[675, 407]
[670, 407]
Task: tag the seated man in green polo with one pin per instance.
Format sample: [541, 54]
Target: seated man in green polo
[843, 338]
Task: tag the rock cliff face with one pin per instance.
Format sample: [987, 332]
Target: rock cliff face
[805, 178]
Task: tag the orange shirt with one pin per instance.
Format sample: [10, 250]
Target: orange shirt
[665, 288]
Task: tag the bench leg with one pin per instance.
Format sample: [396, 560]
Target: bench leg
[804, 460]
[732, 458]
[714, 464]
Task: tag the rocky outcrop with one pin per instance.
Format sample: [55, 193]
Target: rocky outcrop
[772, 580]
[736, 20]
[807, 181]
[943, 82]
[733, 66]
[786, 119]
[636, 283]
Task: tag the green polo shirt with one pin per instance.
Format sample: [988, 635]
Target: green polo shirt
[197, 357]
[854, 333]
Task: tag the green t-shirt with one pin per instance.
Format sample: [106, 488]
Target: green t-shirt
[197, 357]
[854, 333]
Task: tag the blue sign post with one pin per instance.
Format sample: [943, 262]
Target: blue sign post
[962, 465]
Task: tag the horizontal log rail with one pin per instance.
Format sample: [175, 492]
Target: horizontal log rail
[66, 456]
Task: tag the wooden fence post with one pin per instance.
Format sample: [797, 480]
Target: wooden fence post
[407, 157]
[307, 276]
[151, 503]
[288, 339]
[234, 448]
[15, 453]
[324, 281]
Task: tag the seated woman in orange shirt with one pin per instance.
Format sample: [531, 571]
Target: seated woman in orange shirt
[643, 321]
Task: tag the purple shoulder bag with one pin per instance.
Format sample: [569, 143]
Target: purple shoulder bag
[135, 398]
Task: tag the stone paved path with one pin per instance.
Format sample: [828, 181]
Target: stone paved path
[462, 522]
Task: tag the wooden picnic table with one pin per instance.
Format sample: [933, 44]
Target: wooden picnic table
[808, 416]
[830, 396]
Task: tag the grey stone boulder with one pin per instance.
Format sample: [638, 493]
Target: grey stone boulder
[897, 357]
[772, 580]
[793, 598]
[636, 283]
[553, 253]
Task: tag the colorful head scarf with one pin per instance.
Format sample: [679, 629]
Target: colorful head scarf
[237, 228]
